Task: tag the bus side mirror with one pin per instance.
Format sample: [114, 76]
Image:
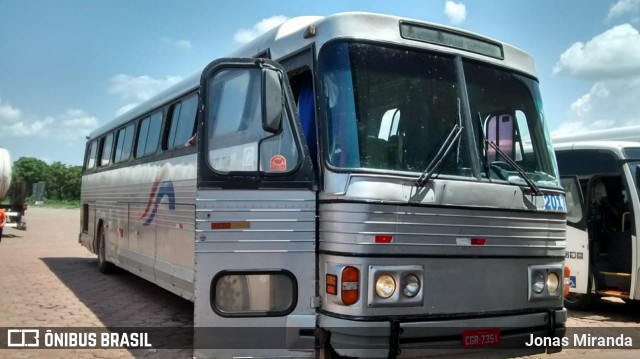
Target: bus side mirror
[272, 100]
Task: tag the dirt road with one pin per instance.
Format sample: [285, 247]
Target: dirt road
[48, 280]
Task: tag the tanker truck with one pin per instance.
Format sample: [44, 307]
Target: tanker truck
[15, 209]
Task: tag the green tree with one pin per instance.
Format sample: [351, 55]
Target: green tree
[30, 170]
[62, 181]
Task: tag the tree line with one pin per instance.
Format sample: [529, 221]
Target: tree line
[62, 182]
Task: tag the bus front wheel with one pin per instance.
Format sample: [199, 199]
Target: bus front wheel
[104, 266]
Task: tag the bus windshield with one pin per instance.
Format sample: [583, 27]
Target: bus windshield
[391, 109]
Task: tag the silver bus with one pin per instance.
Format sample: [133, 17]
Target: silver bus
[601, 181]
[350, 185]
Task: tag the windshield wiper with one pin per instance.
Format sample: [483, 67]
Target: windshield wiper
[443, 152]
[515, 166]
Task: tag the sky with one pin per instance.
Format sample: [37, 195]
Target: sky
[68, 66]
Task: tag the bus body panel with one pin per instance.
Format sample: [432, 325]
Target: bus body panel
[577, 258]
[147, 213]
[256, 232]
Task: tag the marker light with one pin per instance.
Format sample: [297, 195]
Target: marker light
[385, 286]
[411, 285]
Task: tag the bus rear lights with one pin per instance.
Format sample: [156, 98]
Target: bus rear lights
[476, 241]
[410, 285]
[350, 280]
[385, 286]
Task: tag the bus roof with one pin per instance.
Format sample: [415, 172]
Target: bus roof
[616, 146]
[627, 133]
[292, 35]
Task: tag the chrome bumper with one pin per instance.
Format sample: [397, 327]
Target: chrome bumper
[417, 339]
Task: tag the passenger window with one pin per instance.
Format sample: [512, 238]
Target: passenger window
[236, 118]
[573, 198]
[183, 119]
[148, 135]
[124, 139]
[91, 157]
[106, 144]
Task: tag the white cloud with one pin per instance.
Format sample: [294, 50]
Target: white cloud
[71, 126]
[613, 54]
[9, 113]
[624, 7]
[135, 90]
[608, 104]
[612, 61]
[456, 12]
[182, 43]
[243, 36]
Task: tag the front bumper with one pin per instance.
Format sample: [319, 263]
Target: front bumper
[416, 339]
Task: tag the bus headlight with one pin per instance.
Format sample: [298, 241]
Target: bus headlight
[553, 283]
[411, 286]
[385, 286]
[537, 282]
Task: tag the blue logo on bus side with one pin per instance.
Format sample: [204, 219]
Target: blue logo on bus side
[158, 191]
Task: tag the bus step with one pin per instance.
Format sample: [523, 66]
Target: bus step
[617, 281]
[616, 274]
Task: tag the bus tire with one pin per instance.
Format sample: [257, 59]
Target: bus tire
[104, 266]
[576, 301]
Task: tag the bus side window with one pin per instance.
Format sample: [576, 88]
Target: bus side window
[573, 199]
[237, 128]
[105, 150]
[306, 110]
[182, 123]
[91, 157]
[124, 138]
[148, 135]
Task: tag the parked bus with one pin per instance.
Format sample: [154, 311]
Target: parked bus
[354, 184]
[601, 180]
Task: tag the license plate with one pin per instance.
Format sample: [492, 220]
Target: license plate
[479, 338]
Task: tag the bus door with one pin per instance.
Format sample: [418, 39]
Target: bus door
[577, 254]
[255, 263]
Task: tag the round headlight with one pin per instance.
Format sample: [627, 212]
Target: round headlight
[553, 282]
[385, 286]
[537, 284]
[410, 285]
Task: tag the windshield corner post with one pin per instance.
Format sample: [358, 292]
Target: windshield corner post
[474, 156]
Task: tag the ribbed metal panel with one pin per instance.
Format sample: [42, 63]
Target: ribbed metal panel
[425, 230]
